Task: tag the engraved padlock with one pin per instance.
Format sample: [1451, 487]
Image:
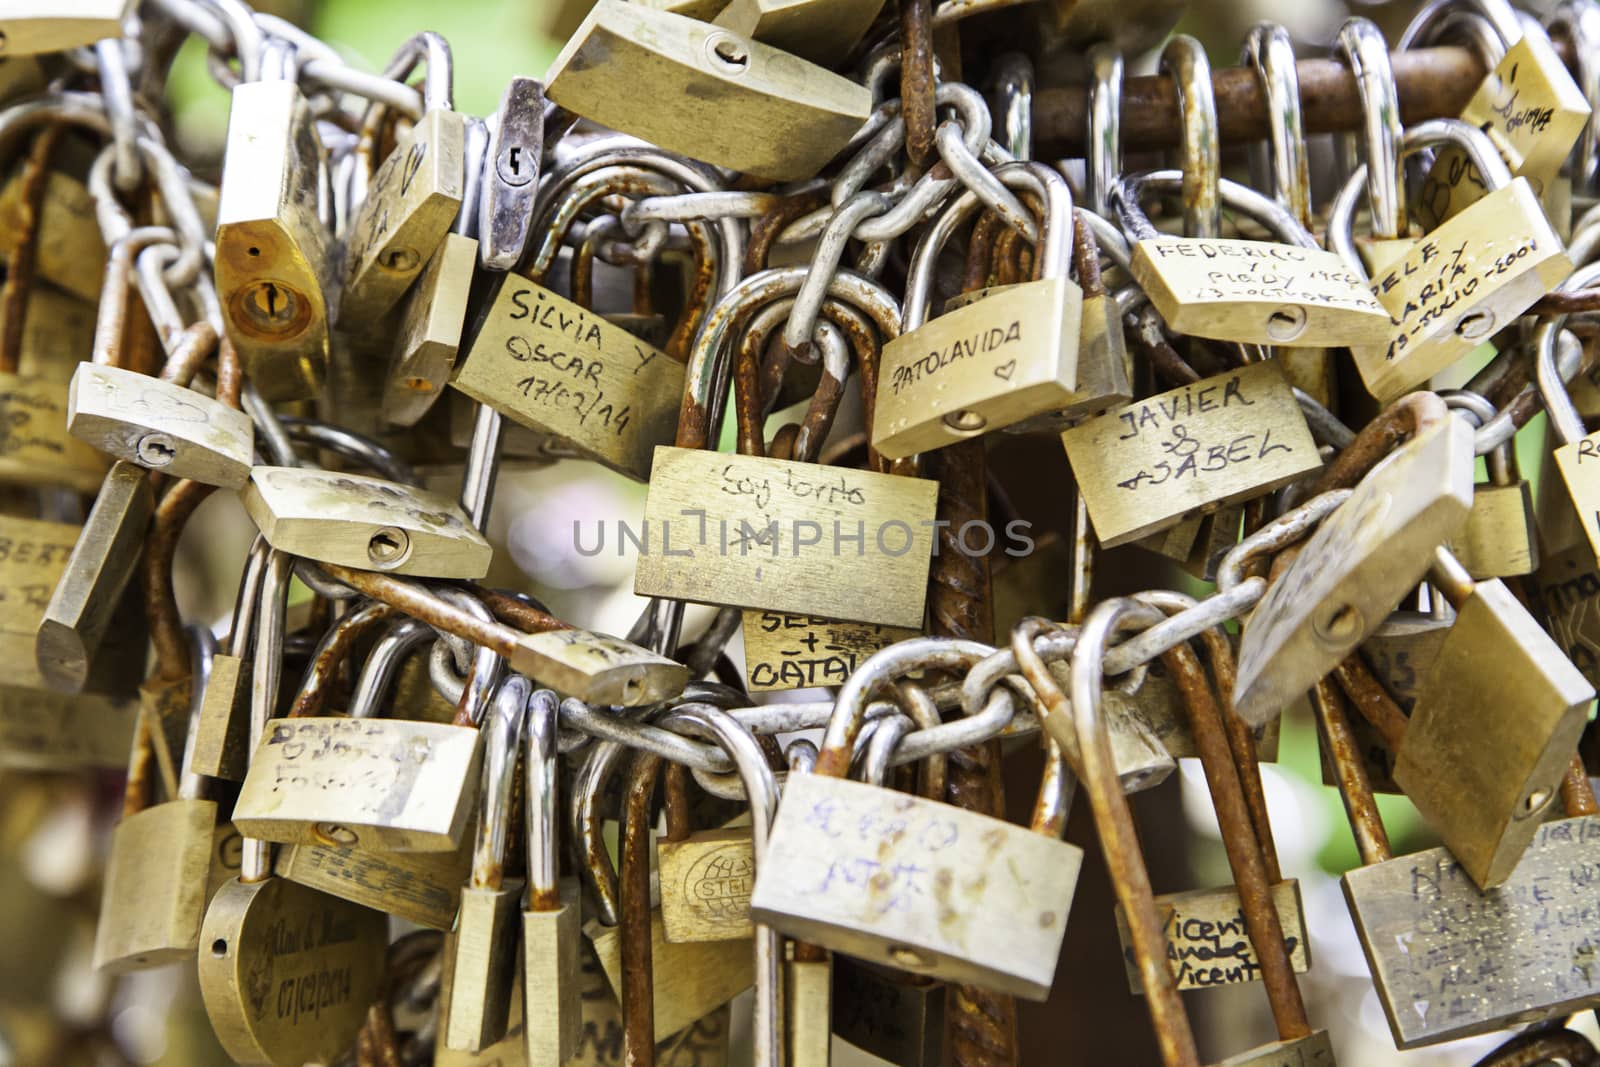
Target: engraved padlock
[413, 197]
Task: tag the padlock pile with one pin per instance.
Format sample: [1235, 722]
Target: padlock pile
[829, 279]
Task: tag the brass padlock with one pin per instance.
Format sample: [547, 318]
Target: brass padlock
[421, 887]
[1493, 728]
[286, 973]
[30, 29]
[1459, 284]
[822, 31]
[1528, 105]
[415, 194]
[562, 370]
[752, 532]
[430, 332]
[69, 250]
[1449, 960]
[479, 957]
[371, 523]
[736, 103]
[272, 247]
[1291, 293]
[551, 915]
[873, 896]
[998, 360]
[376, 783]
[1498, 539]
[1359, 563]
[221, 745]
[1190, 451]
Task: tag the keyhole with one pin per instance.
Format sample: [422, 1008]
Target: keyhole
[157, 450]
[270, 309]
[965, 421]
[389, 547]
[219, 948]
[400, 260]
[1286, 323]
[910, 958]
[1535, 802]
[511, 169]
[1340, 625]
[729, 53]
[1475, 324]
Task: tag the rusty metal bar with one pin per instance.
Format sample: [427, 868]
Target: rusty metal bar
[1433, 83]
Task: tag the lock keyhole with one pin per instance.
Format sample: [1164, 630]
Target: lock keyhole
[389, 547]
[157, 450]
[269, 309]
[1286, 323]
[729, 53]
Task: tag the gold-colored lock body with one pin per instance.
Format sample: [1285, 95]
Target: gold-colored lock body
[156, 886]
[823, 31]
[272, 255]
[410, 204]
[560, 369]
[1208, 941]
[160, 425]
[1190, 451]
[719, 97]
[981, 367]
[783, 536]
[430, 332]
[373, 783]
[364, 522]
[1258, 292]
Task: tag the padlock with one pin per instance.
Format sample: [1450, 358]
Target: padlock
[775, 518]
[1528, 105]
[736, 103]
[1498, 539]
[479, 952]
[875, 896]
[156, 888]
[221, 744]
[365, 522]
[29, 29]
[1360, 562]
[413, 197]
[69, 251]
[511, 174]
[1190, 451]
[421, 887]
[1458, 284]
[562, 370]
[286, 972]
[1255, 292]
[1576, 456]
[708, 722]
[155, 422]
[1493, 728]
[272, 258]
[982, 367]
[697, 978]
[552, 1005]
[1449, 960]
[705, 877]
[430, 332]
[374, 783]
[821, 31]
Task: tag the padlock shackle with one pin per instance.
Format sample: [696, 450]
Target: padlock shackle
[1055, 241]
[1578, 23]
[334, 648]
[111, 318]
[192, 785]
[502, 730]
[487, 664]
[1268, 49]
[1199, 153]
[1103, 148]
[879, 669]
[1235, 196]
[1362, 48]
[1114, 821]
[1471, 140]
[542, 784]
[266, 671]
[1430, 26]
[1550, 378]
[403, 637]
